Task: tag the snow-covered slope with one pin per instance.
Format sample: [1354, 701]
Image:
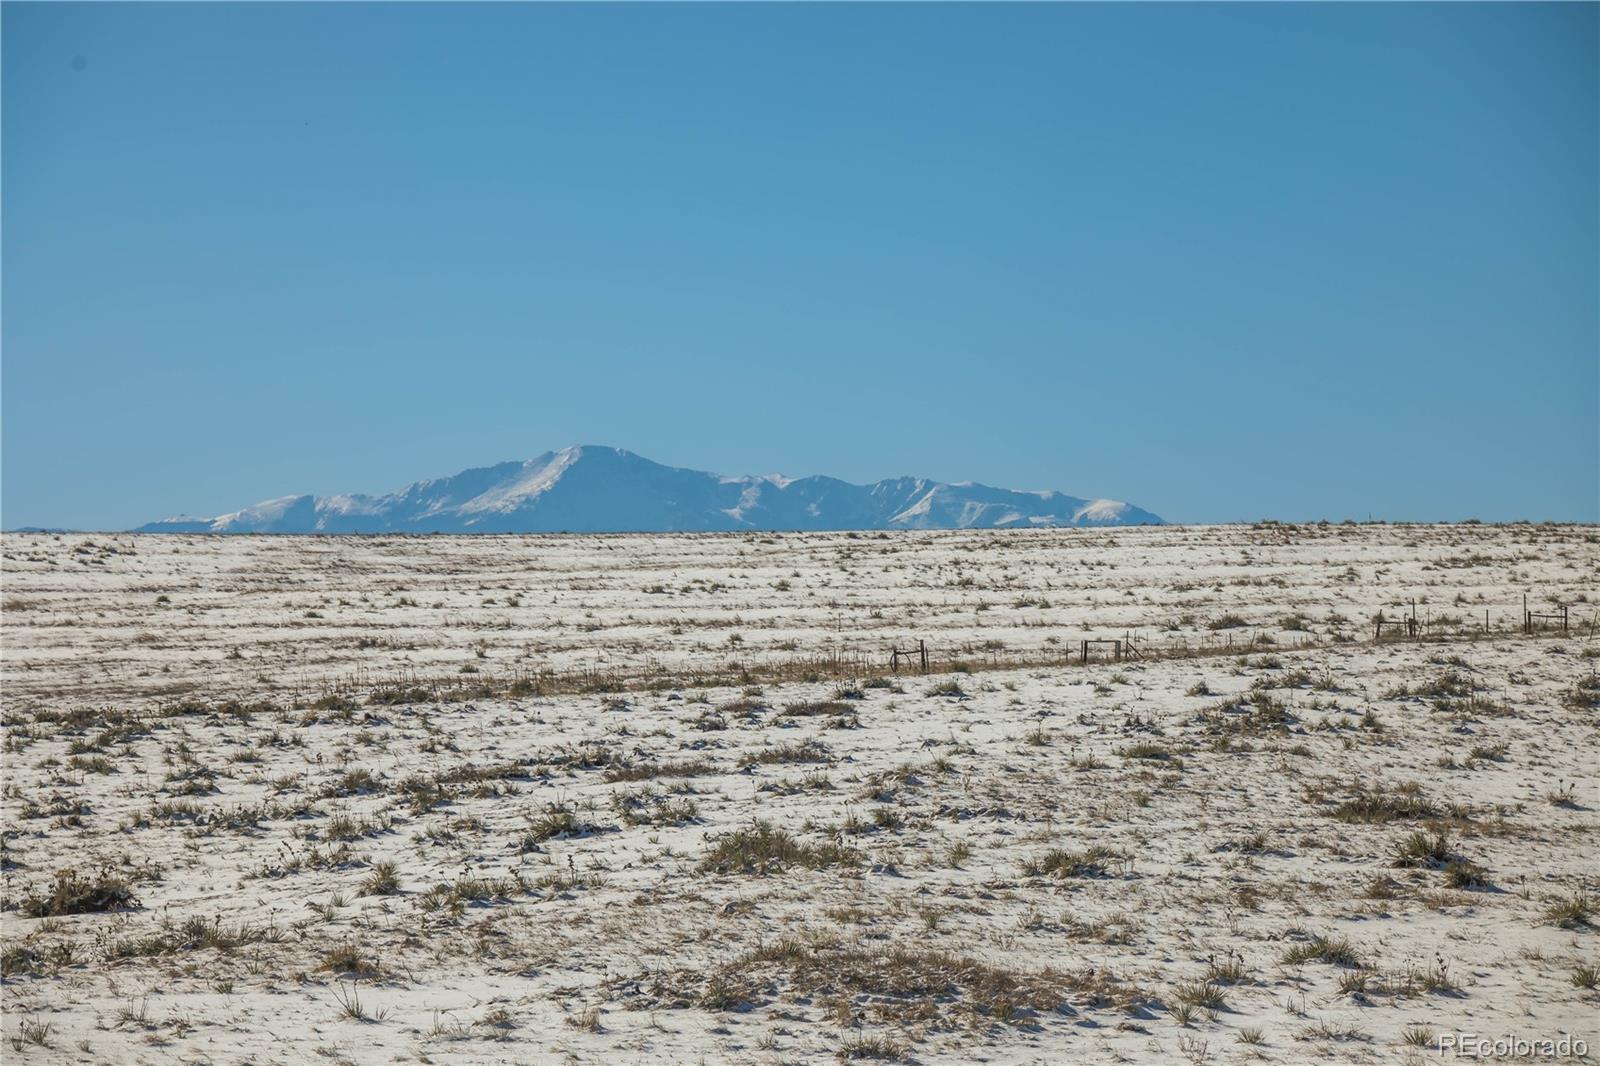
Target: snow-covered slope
[593, 489]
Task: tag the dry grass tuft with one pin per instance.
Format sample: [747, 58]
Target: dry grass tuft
[764, 848]
[1058, 862]
[75, 893]
[905, 985]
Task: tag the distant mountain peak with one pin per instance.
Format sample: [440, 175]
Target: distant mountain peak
[591, 488]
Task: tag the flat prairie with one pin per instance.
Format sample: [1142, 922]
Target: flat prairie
[663, 798]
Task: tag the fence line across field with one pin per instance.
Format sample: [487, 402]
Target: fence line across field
[874, 661]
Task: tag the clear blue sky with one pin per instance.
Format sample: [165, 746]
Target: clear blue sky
[1226, 262]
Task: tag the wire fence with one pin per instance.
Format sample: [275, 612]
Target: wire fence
[885, 660]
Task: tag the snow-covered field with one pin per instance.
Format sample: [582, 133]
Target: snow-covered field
[657, 799]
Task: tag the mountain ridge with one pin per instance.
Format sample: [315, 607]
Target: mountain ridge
[595, 489]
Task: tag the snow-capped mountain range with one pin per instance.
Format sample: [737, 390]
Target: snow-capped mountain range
[590, 489]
